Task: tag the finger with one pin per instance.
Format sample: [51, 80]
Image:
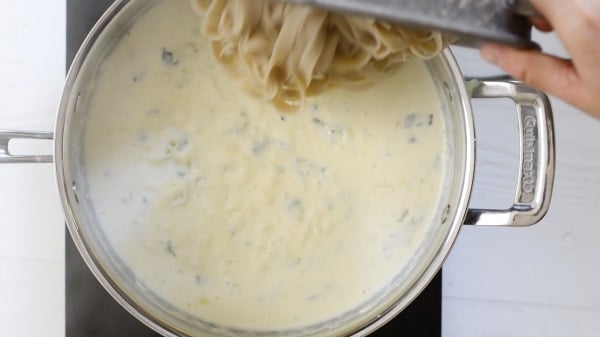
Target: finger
[541, 23]
[547, 73]
[552, 10]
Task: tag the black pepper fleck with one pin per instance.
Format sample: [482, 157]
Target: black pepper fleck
[403, 216]
[139, 76]
[168, 57]
[169, 248]
[318, 121]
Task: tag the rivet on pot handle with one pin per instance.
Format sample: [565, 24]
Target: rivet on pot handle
[8, 158]
[536, 169]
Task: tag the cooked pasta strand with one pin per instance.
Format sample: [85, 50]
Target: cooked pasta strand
[284, 53]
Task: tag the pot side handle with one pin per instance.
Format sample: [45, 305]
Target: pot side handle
[537, 157]
[6, 157]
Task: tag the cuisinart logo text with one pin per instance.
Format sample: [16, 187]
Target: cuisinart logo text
[529, 158]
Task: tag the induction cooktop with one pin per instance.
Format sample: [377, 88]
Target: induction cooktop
[91, 312]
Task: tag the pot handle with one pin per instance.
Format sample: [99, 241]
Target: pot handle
[537, 159]
[6, 157]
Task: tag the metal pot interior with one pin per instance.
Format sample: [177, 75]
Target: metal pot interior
[141, 301]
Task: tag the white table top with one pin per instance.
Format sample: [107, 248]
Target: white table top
[538, 281]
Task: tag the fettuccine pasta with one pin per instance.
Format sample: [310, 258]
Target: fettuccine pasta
[284, 53]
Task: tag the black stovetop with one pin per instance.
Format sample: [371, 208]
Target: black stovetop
[91, 312]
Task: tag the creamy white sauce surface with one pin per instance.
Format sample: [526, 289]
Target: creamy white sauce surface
[246, 217]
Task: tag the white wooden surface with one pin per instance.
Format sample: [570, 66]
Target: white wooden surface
[32, 54]
[539, 281]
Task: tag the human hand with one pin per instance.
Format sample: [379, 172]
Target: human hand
[575, 80]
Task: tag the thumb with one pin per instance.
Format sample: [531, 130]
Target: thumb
[548, 73]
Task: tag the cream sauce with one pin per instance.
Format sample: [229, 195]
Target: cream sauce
[246, 217]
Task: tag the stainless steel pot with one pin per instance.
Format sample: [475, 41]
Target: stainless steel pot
[531, 202]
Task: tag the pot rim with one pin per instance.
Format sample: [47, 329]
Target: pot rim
[61, 151]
